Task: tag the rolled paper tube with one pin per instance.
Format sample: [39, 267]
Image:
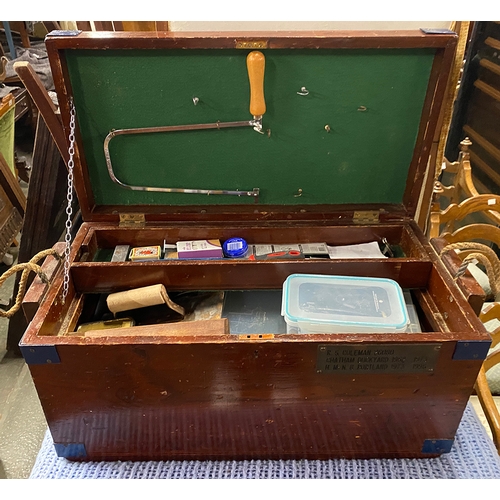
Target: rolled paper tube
[141, 297]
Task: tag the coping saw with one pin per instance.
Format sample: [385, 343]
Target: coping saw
[255, 66]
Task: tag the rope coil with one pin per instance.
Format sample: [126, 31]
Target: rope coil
[482, 254]
[26, 268]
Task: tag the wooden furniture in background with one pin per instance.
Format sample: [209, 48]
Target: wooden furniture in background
[45, 214]
[44, 104]
[3, 65]
[45, 217]
[446, 228]
[12, 207]
[452, 205]
[487, 402]
[11, 186]
[462, 198]
[477, 110]
[123, 25]
[144, 26]
[20, 27]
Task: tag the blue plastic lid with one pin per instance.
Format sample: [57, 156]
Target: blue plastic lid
[235, 247]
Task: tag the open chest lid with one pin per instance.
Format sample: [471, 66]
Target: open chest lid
[341, 121]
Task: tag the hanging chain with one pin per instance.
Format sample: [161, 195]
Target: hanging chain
[69, 207]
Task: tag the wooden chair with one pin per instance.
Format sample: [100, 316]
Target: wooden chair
[482, 387]
[457, 223]
[123, 25]
[462, 199]
[3, 65]
[43, 222]
[449, 233]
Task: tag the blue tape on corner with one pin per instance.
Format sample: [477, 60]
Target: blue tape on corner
[437, 446]
[64, 33]
[70, 450]
[471, 350]
[437, 31]
[40, 354]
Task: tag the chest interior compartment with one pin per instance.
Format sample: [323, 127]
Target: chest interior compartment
[195, 284]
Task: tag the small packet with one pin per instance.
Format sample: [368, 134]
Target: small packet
[139, 254]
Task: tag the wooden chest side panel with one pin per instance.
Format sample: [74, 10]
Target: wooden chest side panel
[243, 400]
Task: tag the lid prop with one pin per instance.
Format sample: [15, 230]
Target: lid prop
[255, 67]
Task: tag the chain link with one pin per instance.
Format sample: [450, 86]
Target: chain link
[69, 207]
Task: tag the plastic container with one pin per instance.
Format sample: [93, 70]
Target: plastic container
[414, 322]
[313, 303]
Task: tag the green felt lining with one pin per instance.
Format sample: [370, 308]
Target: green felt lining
[364, 158]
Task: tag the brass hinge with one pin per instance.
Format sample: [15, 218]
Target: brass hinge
[132, 220]
[366, 217]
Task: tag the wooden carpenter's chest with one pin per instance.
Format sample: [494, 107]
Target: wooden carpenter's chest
[339, 157]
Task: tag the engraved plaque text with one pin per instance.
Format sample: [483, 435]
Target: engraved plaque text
[377, 358]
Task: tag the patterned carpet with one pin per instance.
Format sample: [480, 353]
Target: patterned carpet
[473, 456]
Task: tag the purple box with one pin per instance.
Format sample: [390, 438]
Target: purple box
[199, 249]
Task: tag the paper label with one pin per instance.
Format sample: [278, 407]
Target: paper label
[362, 251]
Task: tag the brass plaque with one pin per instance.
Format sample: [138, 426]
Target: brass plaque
[251, 44]
[377, 358]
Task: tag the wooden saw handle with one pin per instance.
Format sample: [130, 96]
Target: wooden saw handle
[256, 63]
